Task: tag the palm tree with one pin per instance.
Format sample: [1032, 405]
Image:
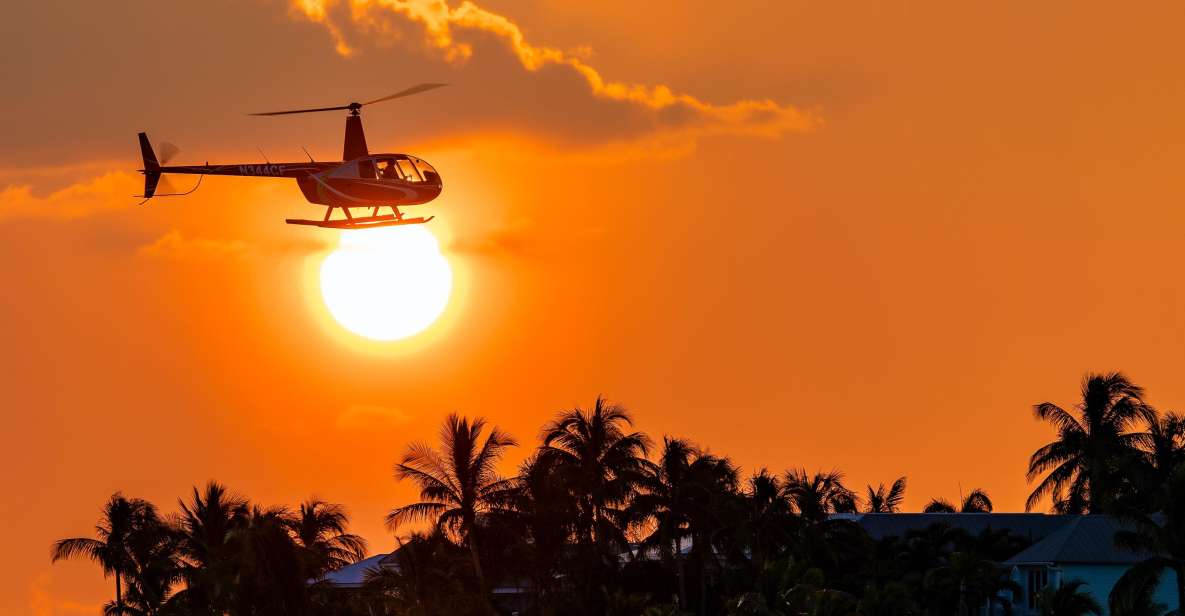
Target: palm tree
[154, 570]
[882, 500]
[819, 495]
[1161, 451]
[269, 579]
[764, 522]
[830, 544]
[209, 525]
[975, 502]
[681, 497]
[601, 464]
[540, 514]
[459, 483]
[1068, 600]
[970, 581]
[1080, 467]
[321, 529]
[1159, 538]
[427, 575]
[112, 547]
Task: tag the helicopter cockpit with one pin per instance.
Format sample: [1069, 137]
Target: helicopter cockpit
[397, 168]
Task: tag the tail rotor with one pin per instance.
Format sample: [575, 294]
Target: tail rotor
[153, 175]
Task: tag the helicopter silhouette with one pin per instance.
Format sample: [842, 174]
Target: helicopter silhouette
[361, 180]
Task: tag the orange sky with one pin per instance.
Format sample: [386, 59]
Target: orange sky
[867, 236]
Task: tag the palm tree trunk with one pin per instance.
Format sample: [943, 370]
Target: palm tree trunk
[481, 579]
[118, 593]
[679, 572]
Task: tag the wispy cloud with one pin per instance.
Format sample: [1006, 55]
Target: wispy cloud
[175, 245]
[444, 25]
[109, 191]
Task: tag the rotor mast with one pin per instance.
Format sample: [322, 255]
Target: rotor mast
[355, 142]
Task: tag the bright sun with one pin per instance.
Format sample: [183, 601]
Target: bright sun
[387, 283]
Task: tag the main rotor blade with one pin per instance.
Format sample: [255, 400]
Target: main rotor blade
[423, 87]
[276, 113]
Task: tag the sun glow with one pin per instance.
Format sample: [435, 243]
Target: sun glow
[386, 284]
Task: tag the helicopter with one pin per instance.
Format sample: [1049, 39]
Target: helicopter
[361, 180]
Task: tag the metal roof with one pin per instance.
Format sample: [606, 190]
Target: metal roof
[352, 576]
[1032, 526]
[1083, 539]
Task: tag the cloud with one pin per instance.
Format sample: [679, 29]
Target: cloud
[109, 191]
[174, 245]
[517, 238]
[678, 118]
[370, 417]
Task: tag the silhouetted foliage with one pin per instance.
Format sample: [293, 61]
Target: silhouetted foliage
[591, 524]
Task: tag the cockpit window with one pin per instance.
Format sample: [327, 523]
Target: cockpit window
[429, 174]
[388, 170]
[402, 168]
[409, 170]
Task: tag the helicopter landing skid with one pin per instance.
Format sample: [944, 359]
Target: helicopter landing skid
[361, 222]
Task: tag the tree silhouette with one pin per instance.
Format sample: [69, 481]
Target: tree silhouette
[321, 530]
[1159, 538]
[458, 483]
[977, 501]
[1081, 466]
[601, 465]
[1068, 600]
[886, 500]
[209, 527]
[112, 548]
[819, 495]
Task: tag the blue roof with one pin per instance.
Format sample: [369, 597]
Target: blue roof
[1032, 526]
[1083, 539]
[1080, 539]
[352, 576]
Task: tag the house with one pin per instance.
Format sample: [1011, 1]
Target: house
[353, 577]
[1063, 548]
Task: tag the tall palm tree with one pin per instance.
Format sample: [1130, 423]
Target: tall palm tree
[975, 502]
[322, 530]
[1159, 538]
[459, 483]
[541, 514]
[886, 500]
[601, 464]
[830, 544]
[209, 526]
[1068, 600]
[764, 522]
[154, 570]
[819, 495]
[269, 579]
[1080, 468]
[681, 497]
[112, 547]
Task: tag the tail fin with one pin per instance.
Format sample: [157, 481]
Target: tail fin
[151, 168]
